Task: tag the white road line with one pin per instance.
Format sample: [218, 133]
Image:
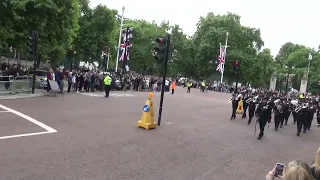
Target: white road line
[24, 135]
[49, 129]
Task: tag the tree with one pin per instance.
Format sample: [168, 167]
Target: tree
[144, 35]
[244, 43]
[96, 32]
[56, 22]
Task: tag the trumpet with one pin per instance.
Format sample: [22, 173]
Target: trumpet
[297, 109]
[230, 100]
[248, 100]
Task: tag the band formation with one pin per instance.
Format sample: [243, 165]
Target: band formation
[263, 105]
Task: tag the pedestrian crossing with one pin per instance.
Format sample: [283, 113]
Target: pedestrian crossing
[111, 94]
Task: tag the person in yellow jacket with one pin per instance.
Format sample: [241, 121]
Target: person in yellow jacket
[189, 85]
[107, 84]
[203, 86]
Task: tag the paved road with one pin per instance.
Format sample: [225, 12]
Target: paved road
[97, 139]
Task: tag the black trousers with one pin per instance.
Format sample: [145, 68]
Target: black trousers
[234, 109]
[286, 117]
[251, 114]
[309, 120]
[172, 91]
[294, 117]
[188, 91]
[278, 120]
[107, 89]
[262, 125]
[69, 86]
[301, 123]
[244, 115]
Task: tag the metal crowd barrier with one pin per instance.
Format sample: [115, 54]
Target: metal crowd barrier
[6, 84]
[22, 84]
[12, 85]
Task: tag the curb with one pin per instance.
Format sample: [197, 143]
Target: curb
[12, 97]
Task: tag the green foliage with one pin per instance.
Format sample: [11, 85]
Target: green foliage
[74, 25]
[56, 22]
[295, 55]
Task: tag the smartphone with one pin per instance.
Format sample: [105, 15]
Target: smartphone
[279, 170]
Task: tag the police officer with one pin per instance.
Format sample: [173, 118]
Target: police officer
[107, 84]
[263, 112]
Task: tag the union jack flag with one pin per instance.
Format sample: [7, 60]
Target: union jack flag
[124, 52]
[221, 59]
[126, 45]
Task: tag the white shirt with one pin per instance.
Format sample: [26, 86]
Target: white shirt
[167, 83]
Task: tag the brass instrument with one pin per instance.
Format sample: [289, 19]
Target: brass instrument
[298, 109]
[230, 100]
[249, 100]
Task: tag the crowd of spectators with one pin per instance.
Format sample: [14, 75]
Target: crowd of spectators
[299, 170]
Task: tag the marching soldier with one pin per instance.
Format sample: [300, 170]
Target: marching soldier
[278, 114]
[310, 114]
[301, 118]
[318, 114]
[252, 108]
[263, 112]
[286, 112]
[245, 106]
[234, 101]
[294, 113]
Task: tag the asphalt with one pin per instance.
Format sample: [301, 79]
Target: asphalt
[97, 139]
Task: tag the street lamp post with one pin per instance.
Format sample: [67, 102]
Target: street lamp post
[309, 58]
[119, 41]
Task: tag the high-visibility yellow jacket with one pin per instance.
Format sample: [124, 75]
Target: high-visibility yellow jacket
[107, 81]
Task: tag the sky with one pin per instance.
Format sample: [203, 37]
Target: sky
[280, 21]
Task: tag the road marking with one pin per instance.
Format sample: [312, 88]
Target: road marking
[30, 119]
[24, 135]
[168, 123]
[111, 94]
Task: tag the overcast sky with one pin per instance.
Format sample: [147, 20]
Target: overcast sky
[280, 21]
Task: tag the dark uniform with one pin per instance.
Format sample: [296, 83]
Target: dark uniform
[263, 112]
[286, 112]
[318, 115]
[301, 119]
[245, 106]
[310, 114]
[278, 115]
[234, 107]
[252, 108]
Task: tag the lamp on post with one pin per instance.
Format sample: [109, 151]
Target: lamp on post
[288, 75]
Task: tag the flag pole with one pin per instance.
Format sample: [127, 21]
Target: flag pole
[224, 58]
[119, 42]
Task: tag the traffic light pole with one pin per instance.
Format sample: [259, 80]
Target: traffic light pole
[35, 36]
[165, 67]
[237, 79]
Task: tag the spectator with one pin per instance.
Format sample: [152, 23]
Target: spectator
[315, 167]
[296, 170]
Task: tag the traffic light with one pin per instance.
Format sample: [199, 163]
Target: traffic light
[32, 43]
[160, 49]
[236, 67]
